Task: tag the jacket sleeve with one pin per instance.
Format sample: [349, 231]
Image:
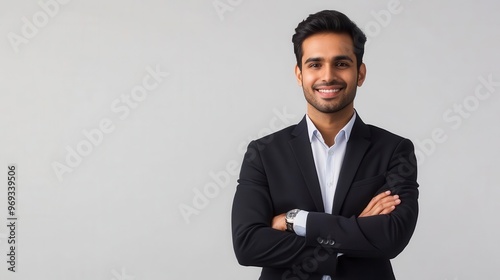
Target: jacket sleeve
[255, 242]
[381, 236]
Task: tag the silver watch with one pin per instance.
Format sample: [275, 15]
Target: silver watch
[289, 218]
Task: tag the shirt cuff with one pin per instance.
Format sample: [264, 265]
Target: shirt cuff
[299, 223]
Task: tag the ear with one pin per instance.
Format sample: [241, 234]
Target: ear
[361, 74]
[298, 75]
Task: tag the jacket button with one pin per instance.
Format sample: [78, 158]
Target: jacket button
[331, 242]
[320, 240]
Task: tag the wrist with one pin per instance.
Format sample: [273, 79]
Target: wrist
[290, 218]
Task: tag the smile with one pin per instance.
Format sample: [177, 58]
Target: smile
[329, 90]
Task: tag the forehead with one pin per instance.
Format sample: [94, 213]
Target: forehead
[327, 45]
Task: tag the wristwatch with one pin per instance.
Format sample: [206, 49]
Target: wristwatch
[289, 218]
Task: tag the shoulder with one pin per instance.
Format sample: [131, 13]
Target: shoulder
[378, 132]
[373, 133]
[280, 136]
[271, 146]
[384, 139]
[284, 134]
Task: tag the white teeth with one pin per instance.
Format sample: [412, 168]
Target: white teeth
[329, 90]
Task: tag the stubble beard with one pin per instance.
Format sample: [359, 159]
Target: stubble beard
[329, 106]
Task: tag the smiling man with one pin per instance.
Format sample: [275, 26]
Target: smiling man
[330, 197]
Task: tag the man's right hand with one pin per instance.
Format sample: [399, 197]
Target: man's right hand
[383, 203]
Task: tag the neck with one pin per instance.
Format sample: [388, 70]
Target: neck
[329, 124]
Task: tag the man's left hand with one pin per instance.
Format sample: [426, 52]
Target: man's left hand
[279, 223]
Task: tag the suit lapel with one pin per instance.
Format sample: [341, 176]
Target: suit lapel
[356, 148]
[301, 147]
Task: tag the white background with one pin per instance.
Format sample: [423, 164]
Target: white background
[117, 215]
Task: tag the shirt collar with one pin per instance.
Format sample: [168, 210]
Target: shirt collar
[346, 130]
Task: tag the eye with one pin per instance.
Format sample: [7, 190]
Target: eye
[342, 64]
[314, 65]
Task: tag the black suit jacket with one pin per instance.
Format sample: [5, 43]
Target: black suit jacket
[278, 174]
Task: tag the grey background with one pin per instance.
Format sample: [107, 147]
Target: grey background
[117, 214]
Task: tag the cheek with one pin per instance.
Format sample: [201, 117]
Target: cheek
[307, 80]
[351, 79]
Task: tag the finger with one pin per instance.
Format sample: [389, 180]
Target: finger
[382, 206]
[379, 203]
[380, 196]
[387, 210]
[386, 202]
[389, 206]
[374, 201]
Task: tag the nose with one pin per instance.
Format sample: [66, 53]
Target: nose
[328, 74]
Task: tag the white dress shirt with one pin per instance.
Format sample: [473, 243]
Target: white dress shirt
[328, 161]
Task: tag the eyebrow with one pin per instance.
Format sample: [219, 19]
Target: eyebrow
[337, 58]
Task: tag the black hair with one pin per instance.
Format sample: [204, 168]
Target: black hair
[325, 22]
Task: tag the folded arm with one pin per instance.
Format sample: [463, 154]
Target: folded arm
[381, 204]
[384, 227]
[367, 234]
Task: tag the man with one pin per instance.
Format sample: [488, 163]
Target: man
[330, 197]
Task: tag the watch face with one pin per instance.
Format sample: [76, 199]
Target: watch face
[291, 214]
[289, 217]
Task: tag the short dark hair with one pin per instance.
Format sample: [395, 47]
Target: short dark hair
[325, 22]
